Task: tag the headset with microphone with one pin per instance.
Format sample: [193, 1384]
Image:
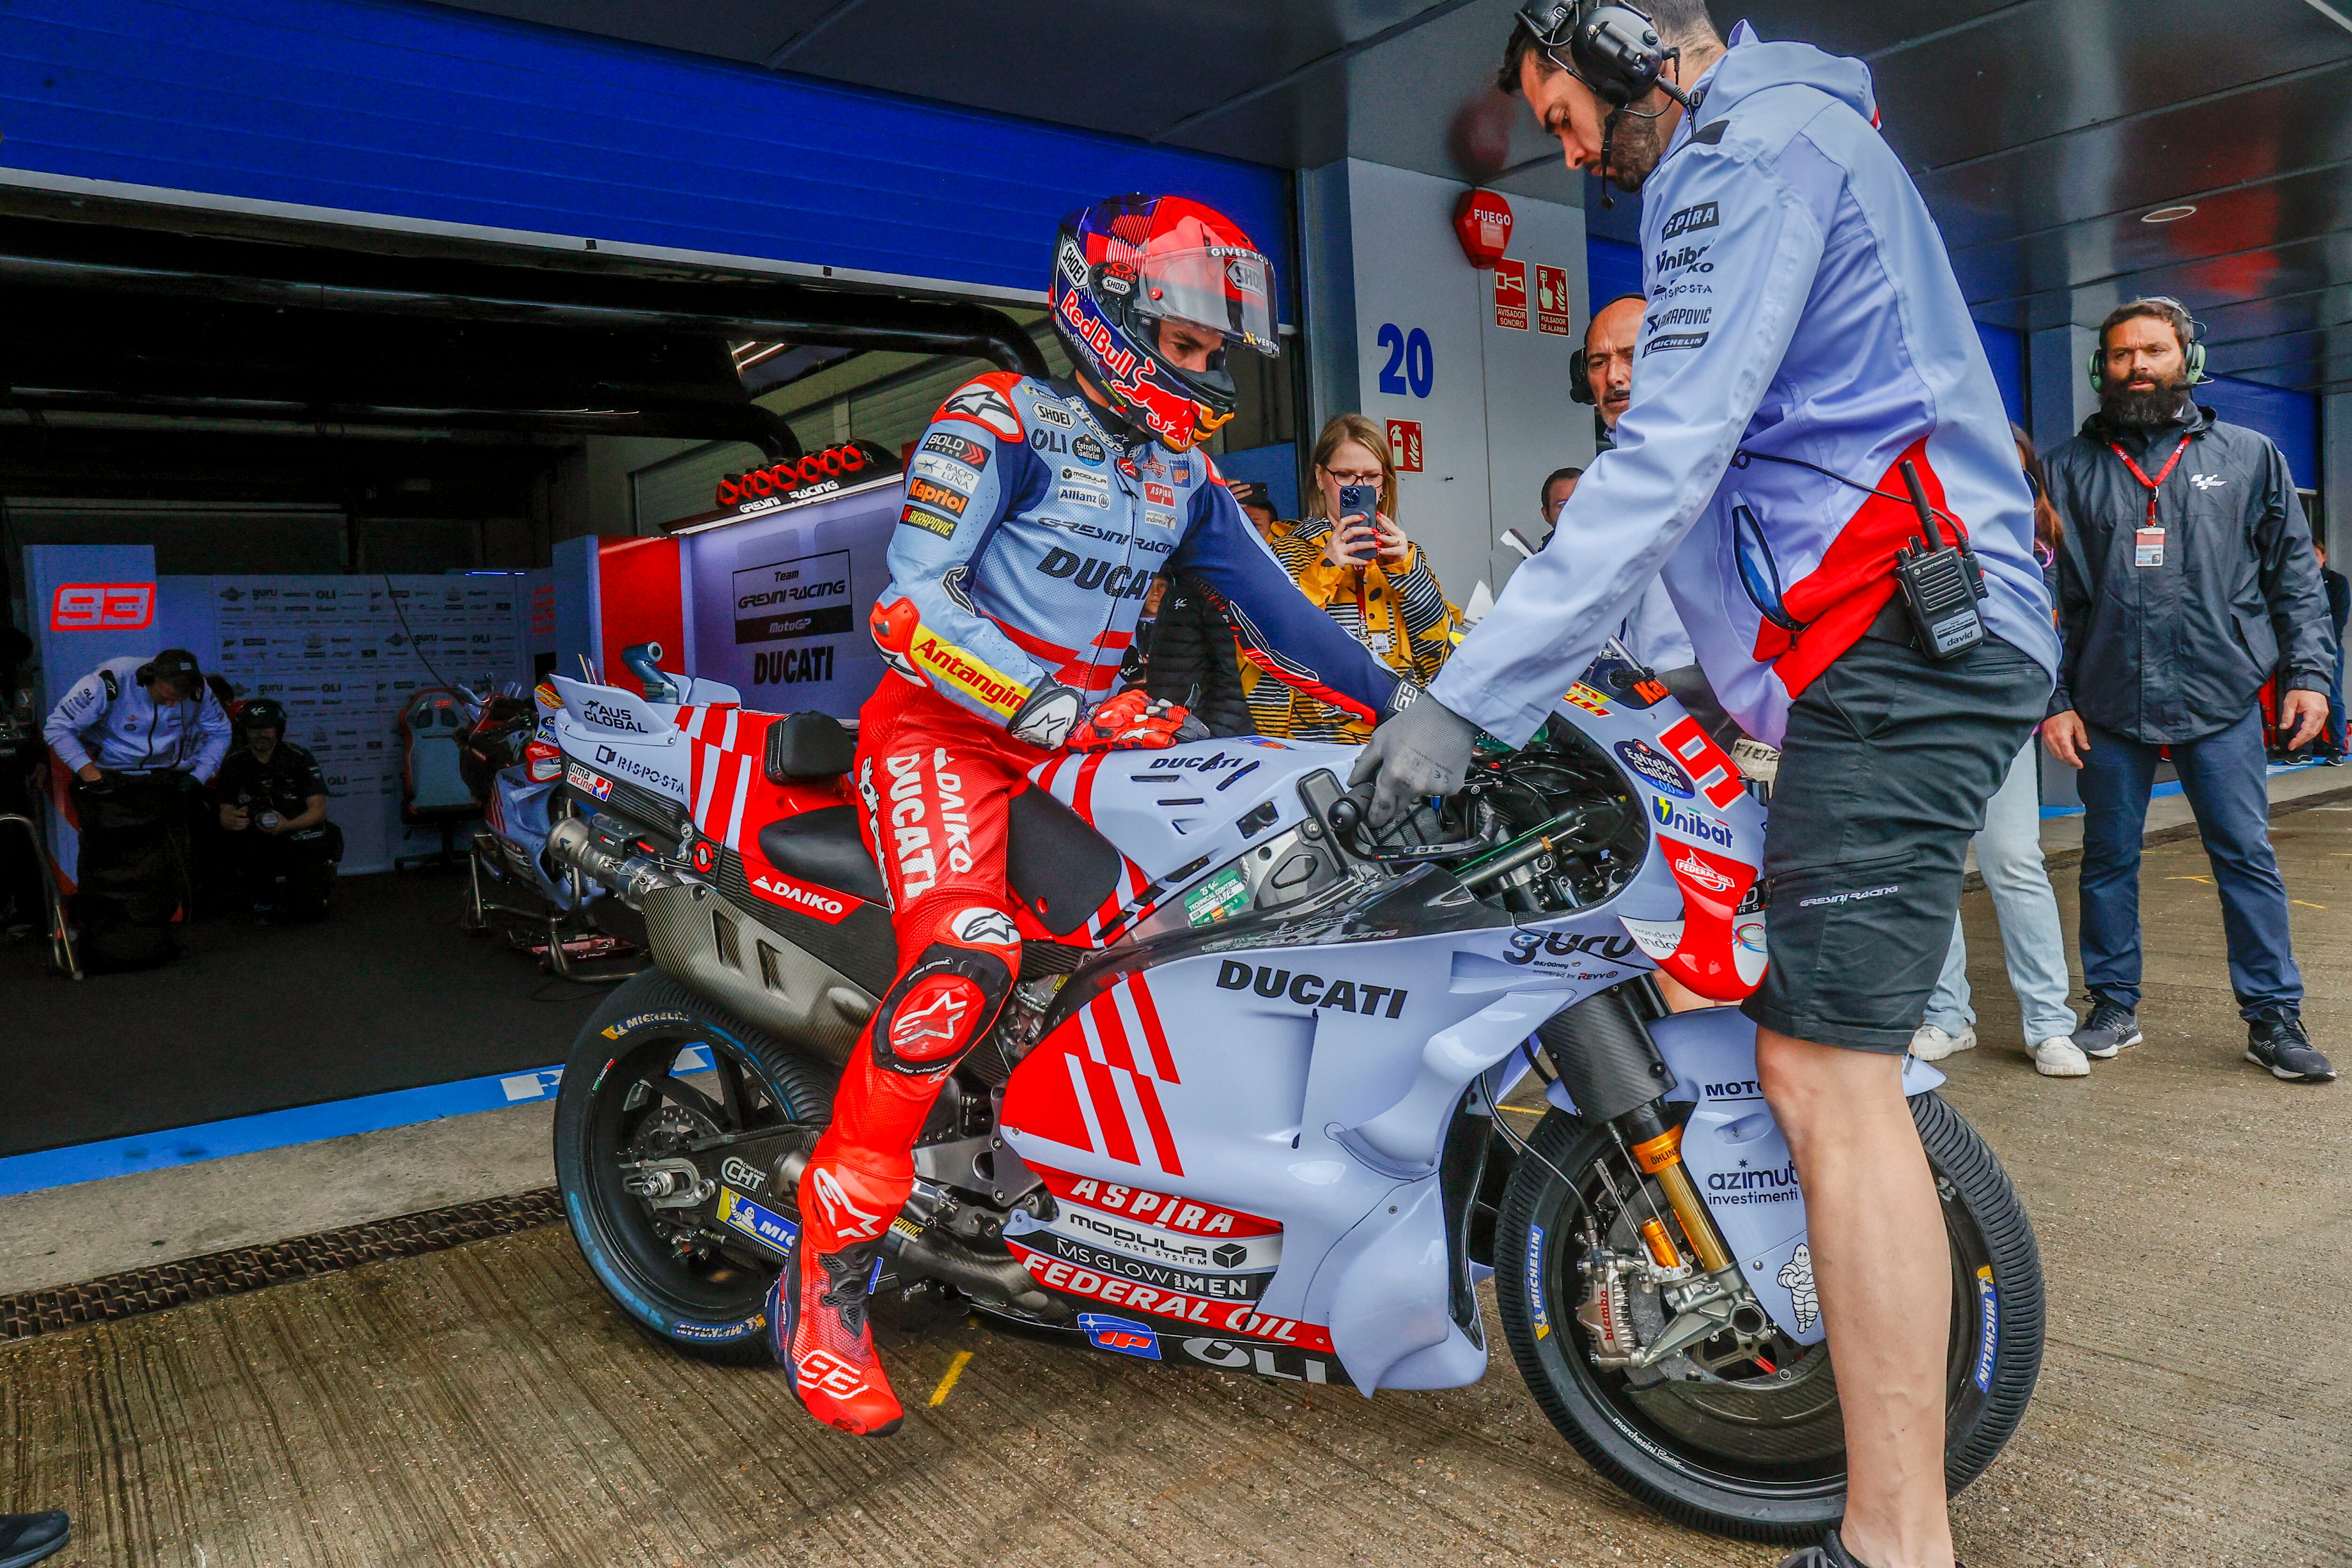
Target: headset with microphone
[2192, 348]
[1579, 380]
[1612, 48]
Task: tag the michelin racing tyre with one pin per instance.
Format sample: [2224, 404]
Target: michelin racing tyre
[1753, 1448]
[630, 1093]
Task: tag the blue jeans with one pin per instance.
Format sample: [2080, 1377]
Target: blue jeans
[2225, 776]
[2332, 742]
[2008, 855]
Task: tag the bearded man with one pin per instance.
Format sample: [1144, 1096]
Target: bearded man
[2186, 580]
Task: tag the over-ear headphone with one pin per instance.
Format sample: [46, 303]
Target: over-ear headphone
[1609, 47]
[1579, 381]
[176, 665]
[2193, 351]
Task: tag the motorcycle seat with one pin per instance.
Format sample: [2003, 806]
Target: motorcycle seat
[806, 746]
[823, 846]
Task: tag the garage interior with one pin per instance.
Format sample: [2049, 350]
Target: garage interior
[252, 397]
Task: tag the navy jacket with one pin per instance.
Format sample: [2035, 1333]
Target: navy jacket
[2178, 651]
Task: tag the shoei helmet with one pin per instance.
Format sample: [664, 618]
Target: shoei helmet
[262, 713]
[1125, 266]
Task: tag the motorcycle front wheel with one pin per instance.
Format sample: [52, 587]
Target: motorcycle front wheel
[1755, 1451]
[635, 1088]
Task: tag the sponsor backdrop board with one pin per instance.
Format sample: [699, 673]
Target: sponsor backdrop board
[342, 653]
[771, 599]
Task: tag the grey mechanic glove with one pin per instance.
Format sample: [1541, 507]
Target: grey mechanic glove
[1424, 750]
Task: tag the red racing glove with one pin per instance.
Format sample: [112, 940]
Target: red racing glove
[1132, 721]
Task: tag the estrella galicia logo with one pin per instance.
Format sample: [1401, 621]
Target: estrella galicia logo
[1655, 766]
[1688, 823]
[1087, 449]
[1690, 219]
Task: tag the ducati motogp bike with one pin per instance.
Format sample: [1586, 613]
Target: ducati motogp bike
[1273, 1093]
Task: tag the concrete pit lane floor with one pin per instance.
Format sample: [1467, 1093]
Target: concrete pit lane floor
[487, 1404]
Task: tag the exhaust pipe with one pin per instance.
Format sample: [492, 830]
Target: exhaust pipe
[572, 845]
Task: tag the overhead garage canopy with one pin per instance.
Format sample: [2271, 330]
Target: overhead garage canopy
[2052, 138]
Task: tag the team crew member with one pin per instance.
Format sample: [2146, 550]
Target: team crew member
[1805, 338]
[2187, 580]
[134, 715]
[1037, 513]
[273, 809]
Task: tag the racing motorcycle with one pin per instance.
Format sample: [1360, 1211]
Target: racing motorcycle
[1255, 1101]
[510, 759]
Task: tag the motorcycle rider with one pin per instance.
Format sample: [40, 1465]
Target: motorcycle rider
[1037, 515]
[1805, 338]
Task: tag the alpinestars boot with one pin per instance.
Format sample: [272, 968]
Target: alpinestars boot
[816, 1310]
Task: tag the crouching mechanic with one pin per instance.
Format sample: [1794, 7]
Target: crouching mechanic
[273, 810]
[1805, 338]
[1036, 514]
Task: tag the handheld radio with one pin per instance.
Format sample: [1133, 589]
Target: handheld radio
[1940, 583]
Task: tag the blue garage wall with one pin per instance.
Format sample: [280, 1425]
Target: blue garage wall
[2289, 419]
[1614, 267]
[443, 116]
[2006, 348]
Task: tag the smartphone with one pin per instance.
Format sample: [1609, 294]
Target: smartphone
[1364, 501]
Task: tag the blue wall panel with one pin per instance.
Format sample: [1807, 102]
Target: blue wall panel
[444, 116]
[2289, 419]
[1613, 268]
[2006, 348]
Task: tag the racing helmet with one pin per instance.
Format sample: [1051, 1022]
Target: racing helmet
[1125, 266]
[261, 713]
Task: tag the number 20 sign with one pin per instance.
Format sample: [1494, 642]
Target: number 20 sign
[102, 607]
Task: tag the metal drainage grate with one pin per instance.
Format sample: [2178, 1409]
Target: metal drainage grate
[151, 1290]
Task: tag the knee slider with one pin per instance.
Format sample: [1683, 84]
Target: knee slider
[950, 994]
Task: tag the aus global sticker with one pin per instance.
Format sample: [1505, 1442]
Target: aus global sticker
[760, 1224]
[1124, 1335]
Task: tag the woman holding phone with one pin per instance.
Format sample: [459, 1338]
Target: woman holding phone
[1350, 555]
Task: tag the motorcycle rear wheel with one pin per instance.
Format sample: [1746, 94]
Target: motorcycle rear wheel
[619, 1091]
[1676, 1447]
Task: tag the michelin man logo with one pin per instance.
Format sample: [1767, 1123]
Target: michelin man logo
[1797, 1277]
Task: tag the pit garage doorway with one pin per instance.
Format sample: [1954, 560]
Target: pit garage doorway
[257, 401]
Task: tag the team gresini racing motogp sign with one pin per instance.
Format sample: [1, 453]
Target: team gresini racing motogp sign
[774, 584]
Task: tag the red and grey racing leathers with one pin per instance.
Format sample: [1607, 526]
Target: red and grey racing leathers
[1018, 569]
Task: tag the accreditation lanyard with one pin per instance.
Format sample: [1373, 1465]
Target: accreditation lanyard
[2147, 544]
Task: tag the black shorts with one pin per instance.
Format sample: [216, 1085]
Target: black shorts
[1889, 761]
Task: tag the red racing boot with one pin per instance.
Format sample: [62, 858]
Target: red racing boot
[816, 1310]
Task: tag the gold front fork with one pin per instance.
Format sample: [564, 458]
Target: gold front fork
[1662, 1157]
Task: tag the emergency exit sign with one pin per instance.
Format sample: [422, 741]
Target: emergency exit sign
[1404, 445]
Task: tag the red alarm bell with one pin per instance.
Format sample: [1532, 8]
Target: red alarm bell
[1482, 220]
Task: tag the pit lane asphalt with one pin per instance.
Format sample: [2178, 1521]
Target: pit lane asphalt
[487, 1404]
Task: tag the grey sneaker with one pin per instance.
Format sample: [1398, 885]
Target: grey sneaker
[1931, 1044]
[2112, 1026]
[2275, 1040]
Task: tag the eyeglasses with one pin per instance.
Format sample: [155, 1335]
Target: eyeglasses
[1375, 477]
